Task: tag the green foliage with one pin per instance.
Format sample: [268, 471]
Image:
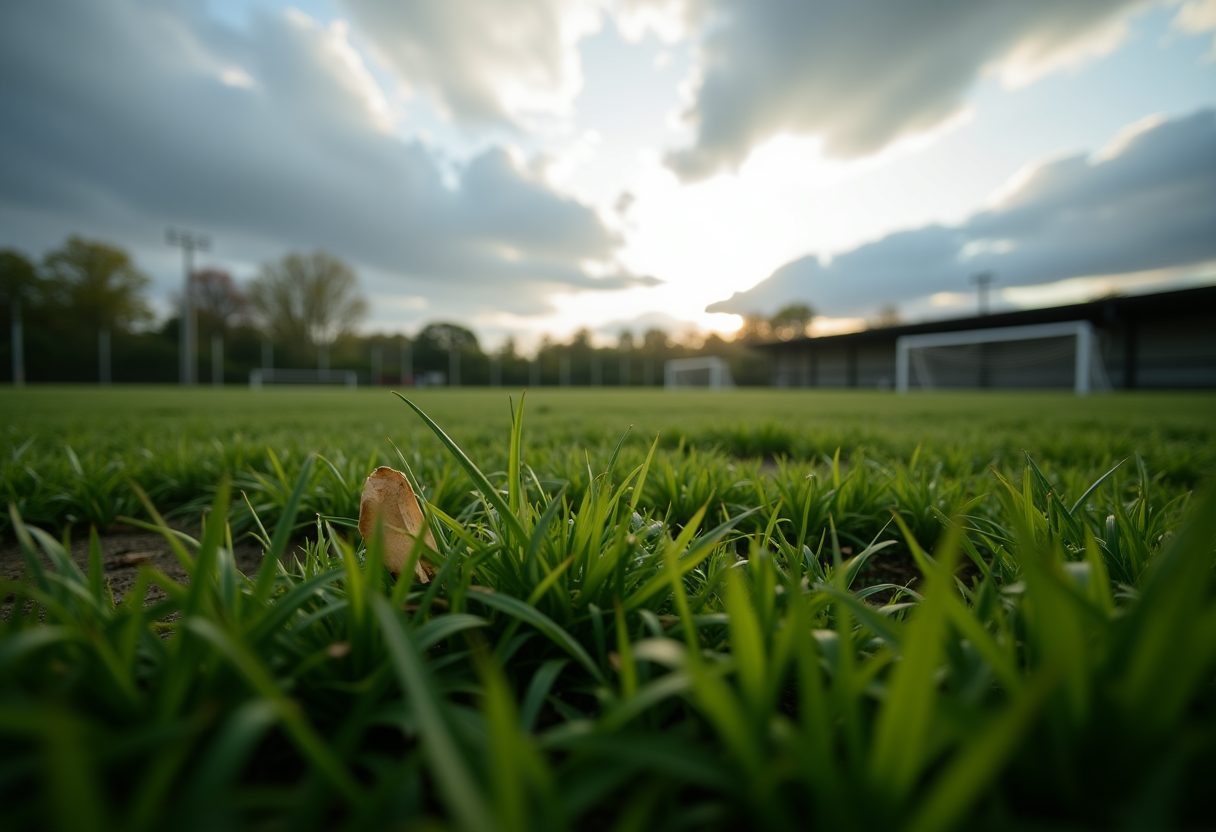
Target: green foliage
[791, 321]
[593, 653]
[96, 283]
[19, 277]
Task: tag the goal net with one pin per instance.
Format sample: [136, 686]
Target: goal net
[1062, 355]
[709, 372]
[263, 377]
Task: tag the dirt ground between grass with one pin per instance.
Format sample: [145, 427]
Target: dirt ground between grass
[123, 553]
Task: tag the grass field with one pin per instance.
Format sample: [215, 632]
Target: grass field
[792, 608]
[69, 452]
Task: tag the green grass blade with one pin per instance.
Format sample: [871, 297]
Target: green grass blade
[444, 627]
[282, 533]
[538, 690]
[258, 676]
[517, 609]
[955, 791]
[461, 793]
[480, 482]
[1097, 484]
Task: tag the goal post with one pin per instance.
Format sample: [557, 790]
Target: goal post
[1068, 347]
[263, 376]
[708, 371]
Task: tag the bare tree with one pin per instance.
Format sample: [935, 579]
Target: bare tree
[307, 299]
[220, 302]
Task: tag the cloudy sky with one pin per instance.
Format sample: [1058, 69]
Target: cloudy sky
[528, 166]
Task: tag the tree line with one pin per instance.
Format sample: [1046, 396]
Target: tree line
[81, 314]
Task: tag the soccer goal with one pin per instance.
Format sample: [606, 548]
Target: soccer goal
[1061, 355]
[262, 376]
[708, 371]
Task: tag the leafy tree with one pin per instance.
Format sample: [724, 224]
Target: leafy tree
[655, 341]
[445, 337]
[791, 321]
[19, 285]
[755, 327]
[18, 277]
[436, 342]
[509, 349]
[97, 283]
[307, 299]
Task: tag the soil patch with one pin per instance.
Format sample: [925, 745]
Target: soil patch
[123, 553]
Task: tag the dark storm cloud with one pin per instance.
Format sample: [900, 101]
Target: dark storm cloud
[129, 114]
[1148, 202]
[863, 73]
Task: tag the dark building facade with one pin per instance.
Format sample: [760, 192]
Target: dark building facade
[1162, 341]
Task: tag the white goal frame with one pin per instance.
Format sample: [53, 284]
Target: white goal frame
[719, 372]
[1084, 360]
[260, 376]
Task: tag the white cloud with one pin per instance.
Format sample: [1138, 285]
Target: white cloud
[1196, 17]
[134, 126]
[1050, 50]
[236, 77]
[1150, 207]
[483, 62]
[863, 74]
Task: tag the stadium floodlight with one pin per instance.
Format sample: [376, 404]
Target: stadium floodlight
[1039, 355]
[708, 371]
[189, 242]
[264, 376]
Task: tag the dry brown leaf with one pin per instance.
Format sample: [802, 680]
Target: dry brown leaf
[387, 493]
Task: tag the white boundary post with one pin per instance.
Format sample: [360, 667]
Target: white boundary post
[258, 377]
[1084, 343]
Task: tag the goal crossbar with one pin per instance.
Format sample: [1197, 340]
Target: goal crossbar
[261, 376]
[1083, 331]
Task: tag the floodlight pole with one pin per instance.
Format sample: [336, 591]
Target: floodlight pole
[983, 280]
[217, 360]
[103, 356]
[18, 340]
[189, 242]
